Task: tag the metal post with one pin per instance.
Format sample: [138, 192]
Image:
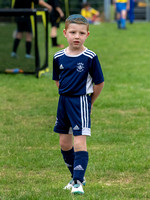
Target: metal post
[148, 10]
[84, 1]
[107, 4]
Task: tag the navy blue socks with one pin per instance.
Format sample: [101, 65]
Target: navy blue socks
[80, 165]
[68, 157]
[76, 163]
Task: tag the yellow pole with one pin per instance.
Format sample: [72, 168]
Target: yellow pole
[67, 8]
[32, 21]
[12, 3]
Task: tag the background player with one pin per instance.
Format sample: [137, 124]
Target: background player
[92, 15]
[131, 12]
[24, 25]
[55, 18]
[75, 69]
[121, 7]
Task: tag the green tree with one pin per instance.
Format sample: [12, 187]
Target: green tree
[5, 3]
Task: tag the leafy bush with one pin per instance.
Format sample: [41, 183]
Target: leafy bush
[5, 3]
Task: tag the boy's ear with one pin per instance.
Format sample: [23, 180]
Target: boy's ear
[88, 33]
[64, 31]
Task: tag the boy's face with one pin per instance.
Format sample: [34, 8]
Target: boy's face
[76, 35]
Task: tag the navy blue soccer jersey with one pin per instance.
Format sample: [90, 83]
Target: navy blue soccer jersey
[76, 74]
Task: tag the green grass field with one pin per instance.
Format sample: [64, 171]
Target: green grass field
[31, 166]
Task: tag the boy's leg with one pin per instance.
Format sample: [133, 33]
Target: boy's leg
[123, 15]
[77, 115]
[81, 158]
[80, 164]
[123, 19]
[118, 20]
[28, 44]
[62, 126]
[16, 42]
[78, 111]
[67, 150]
[118, 15]
[53, 36]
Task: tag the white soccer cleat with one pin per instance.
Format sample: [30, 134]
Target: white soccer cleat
[69, 185]
[77, 188]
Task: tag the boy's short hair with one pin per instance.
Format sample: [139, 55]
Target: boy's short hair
[76, 19]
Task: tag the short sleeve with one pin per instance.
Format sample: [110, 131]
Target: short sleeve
[96, 71]
[83, 12]
[93, 11]
[55, 70]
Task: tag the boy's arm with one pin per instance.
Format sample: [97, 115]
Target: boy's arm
[97, 90]
[57, 83]
[128, 5]
[46, 5]
[59, 10]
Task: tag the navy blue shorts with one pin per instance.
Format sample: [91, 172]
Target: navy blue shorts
[73, 115]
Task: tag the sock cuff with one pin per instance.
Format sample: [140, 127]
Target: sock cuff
[17, 39]
[71, 151]
[81, 153]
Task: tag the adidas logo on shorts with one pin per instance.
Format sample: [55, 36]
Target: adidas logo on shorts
[76, 128]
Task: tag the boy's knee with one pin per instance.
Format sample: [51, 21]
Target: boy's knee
[80, 143]
[65, 147]
[80, 148]
[65, 143]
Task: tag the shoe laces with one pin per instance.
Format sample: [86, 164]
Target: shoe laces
[76, 183]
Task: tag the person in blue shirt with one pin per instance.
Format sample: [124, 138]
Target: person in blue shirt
[79, 78]
[131, 12]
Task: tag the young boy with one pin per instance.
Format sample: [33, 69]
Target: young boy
[75, 69]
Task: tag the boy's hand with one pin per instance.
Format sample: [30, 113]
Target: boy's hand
[97, 90]
[57, 83]
[59, 10]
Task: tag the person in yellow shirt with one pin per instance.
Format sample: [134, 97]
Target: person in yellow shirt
[92, 15]
[121, 6]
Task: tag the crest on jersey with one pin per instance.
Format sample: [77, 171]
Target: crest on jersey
[80, 67]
